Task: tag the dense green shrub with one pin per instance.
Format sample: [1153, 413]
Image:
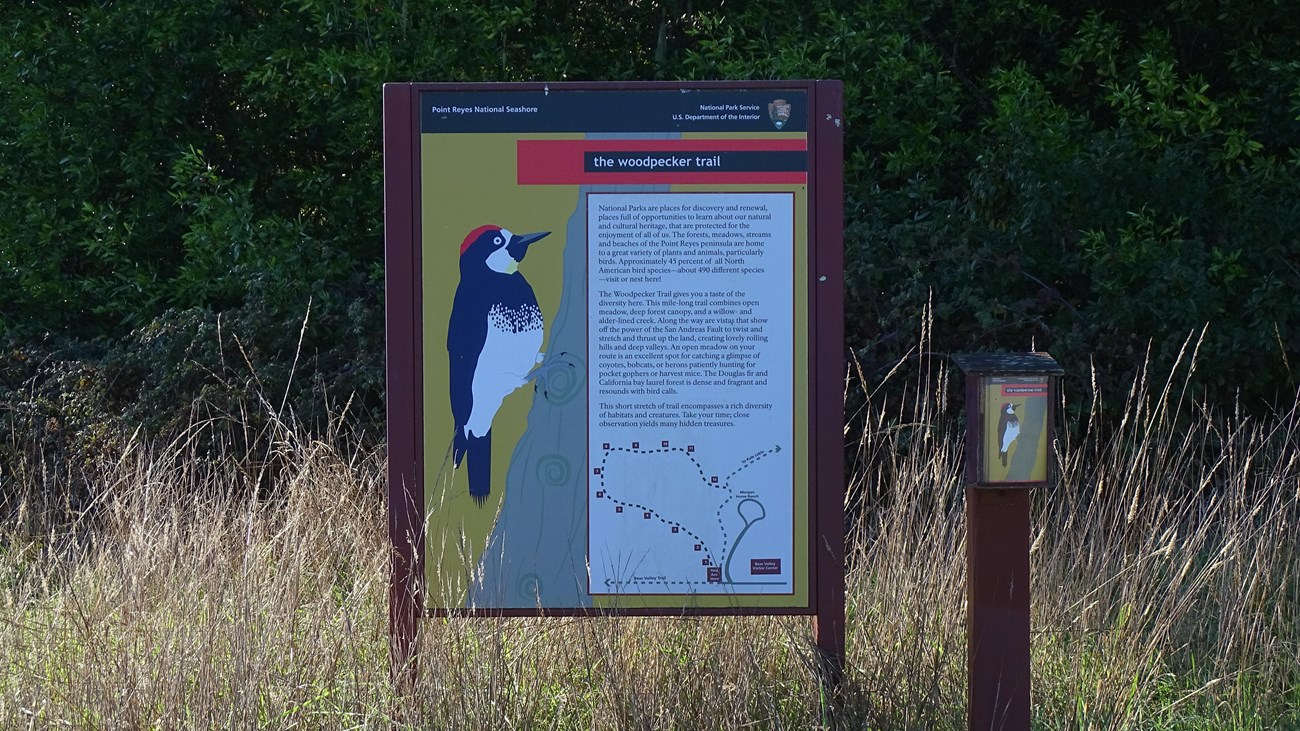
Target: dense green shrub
[1097, 180]
[1094, 181]
[191, 225]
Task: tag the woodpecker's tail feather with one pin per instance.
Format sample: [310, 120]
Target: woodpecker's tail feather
[458, 446]
[1004, 458]
[480, 467]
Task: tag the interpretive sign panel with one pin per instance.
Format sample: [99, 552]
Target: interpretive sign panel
[1015, 433]
[612, 311]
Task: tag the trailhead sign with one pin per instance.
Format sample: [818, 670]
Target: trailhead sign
[603, 344]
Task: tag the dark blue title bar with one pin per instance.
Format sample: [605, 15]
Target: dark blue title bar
[689, 110]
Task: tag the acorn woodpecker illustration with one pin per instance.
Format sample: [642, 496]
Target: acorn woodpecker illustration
[1008, 430]
[494, 340]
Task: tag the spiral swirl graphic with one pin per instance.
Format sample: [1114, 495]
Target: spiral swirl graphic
[553, 469]
[561, 380]
[530, 587]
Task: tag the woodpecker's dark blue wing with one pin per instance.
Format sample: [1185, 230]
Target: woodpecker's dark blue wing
[466, 333]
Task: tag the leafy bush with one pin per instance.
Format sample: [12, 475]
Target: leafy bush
[1093, 181]
[1090, 182]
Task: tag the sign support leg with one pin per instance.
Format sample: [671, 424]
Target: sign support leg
[828, 378]
[403, 620]
[828, 633]
[405, 602]
[997, 592]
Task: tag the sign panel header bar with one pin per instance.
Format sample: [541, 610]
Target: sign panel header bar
[597, 111]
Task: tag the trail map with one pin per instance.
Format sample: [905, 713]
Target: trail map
[690, 338]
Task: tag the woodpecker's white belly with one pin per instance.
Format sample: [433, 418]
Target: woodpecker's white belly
[1013, 431]
[514, 340]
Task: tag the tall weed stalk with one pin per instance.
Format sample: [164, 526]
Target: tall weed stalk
[203, 589]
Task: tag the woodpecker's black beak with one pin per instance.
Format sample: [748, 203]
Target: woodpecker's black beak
[519, 244]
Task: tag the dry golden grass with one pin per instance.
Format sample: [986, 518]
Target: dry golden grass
[1166, 595]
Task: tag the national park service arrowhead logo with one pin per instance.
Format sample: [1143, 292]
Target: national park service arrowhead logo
[779, 111]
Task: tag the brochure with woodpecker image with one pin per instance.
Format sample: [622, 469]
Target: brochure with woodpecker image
[612, 331]
[1015, 435]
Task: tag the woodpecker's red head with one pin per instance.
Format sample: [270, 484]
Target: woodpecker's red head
[496, 248]
[474, 235]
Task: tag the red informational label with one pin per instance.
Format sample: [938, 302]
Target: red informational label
[764, 566]
[1025, 389]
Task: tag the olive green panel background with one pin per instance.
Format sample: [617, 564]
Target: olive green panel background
[468, 180]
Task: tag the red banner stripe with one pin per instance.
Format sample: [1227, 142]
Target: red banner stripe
[561, 162]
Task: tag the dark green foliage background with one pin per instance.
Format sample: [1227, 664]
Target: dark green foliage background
[183, 181]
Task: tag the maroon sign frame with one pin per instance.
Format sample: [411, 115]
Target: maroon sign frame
[405, 367]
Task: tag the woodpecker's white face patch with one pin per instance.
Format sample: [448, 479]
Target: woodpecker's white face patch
[500, 260]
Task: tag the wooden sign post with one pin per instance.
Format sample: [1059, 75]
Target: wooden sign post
[615, 322]
[1010, 410]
